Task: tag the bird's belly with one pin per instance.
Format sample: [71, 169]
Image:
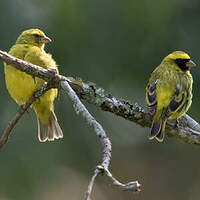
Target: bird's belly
[20, 85]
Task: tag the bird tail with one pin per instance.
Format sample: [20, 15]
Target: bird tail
[49, 131]
[158, 129]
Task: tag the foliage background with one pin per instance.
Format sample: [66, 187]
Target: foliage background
[115, 44]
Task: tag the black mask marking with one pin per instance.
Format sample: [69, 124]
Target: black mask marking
[182, 63]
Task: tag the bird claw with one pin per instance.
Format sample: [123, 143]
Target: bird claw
[174, 123]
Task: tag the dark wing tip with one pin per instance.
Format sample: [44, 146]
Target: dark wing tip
[156, 128]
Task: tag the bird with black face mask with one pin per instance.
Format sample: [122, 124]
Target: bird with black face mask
[169, 91]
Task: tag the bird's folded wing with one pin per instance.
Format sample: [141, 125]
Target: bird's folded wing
[178, 102]
[151, 96]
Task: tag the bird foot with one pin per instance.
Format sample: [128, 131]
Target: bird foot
[174, 124]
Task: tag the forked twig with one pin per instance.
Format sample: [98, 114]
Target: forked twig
[131, 186]
[105, 142]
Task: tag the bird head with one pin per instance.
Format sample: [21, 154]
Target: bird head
[180, 61]
[33, 37]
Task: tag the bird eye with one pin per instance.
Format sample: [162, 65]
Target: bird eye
[36, 35]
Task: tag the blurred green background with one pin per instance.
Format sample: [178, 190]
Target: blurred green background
[115, 44]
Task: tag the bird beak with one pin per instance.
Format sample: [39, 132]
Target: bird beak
[45, 39]
[190, 64]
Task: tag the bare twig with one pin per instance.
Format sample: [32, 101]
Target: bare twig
[131, 186]
[21, 111]
[105, 142]
[80, 108]
[90, 185]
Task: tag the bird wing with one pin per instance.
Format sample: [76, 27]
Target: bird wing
[151, 96]
[177, 103]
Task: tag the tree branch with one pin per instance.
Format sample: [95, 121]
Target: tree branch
[188, 129]
[80, 108]
[21, 111]
[105, 142]
[55, 80]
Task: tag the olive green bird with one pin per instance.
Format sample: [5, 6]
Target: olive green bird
[169, 91]
[30, 47]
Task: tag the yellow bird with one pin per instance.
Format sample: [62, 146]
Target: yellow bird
[169, 91]
[30, 47]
